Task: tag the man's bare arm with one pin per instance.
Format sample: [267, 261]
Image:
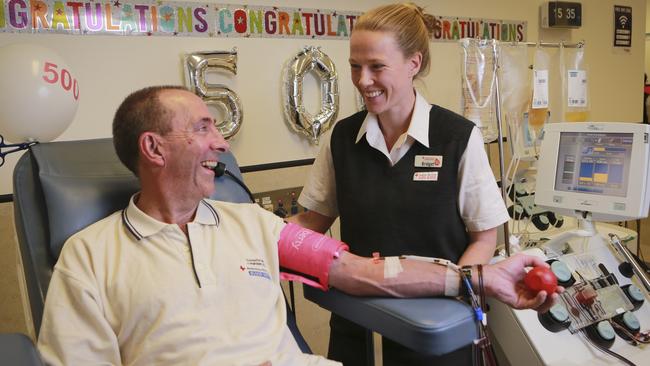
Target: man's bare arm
[504, 281]
[363, 276]
[311, 254]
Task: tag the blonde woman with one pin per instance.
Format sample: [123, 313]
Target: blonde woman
[405, 177]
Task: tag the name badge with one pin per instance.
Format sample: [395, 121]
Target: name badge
[425, 176]
[428, 161]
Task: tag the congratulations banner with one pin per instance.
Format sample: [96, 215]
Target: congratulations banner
[172, 18]
[192, 19]
[451, 29]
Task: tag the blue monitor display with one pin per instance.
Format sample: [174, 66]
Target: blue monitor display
[594, 163]
[599, 169]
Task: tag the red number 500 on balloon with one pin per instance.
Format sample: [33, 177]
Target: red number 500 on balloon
[51, 75]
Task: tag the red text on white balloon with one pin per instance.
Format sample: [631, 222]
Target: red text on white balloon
[52, 76]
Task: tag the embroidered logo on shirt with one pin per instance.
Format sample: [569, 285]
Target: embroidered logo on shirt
[425, 176]
[256, 268]
[428, 161]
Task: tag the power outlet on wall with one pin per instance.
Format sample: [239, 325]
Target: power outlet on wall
[282, 202]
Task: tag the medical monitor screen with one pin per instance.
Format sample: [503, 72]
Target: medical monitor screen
[594, 163]
[594, 169]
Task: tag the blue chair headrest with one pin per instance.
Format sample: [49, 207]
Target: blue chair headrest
[83, 182]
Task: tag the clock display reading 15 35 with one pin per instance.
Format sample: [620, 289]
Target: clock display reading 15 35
[564, 14]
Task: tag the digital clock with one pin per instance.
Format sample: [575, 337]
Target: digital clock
[561, 14]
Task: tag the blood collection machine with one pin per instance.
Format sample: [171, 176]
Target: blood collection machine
[590, 173]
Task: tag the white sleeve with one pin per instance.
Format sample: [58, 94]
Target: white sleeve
[74, 330]
[479, 199]
[319, 192]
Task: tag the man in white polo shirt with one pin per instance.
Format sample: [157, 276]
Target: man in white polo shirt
[178, 279]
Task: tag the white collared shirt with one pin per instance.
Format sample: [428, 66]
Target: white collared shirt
[418, 131]
[479, 199]
[131, 290]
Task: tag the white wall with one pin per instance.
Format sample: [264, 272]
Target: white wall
[109, 67]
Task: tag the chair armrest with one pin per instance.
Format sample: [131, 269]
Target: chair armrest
[18, 349]
[432, 326]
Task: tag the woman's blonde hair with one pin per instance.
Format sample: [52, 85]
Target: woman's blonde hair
[409, 24]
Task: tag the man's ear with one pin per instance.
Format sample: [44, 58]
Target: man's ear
[151, 150]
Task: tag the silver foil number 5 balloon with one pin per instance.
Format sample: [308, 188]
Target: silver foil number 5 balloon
[197, 64]
[307, 60]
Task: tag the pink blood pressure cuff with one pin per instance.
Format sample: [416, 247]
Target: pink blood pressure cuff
[306, 255]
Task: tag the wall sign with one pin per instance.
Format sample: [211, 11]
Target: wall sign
[622, 26]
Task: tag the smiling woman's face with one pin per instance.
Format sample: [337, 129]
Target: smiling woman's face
[381, 72]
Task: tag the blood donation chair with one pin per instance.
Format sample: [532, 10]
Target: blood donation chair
[62, 187]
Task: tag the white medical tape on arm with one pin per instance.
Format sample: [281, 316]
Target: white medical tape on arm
[392, 267]
[452, 282]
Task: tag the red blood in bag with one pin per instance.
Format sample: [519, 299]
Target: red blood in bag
[541, 278]
[586, 296]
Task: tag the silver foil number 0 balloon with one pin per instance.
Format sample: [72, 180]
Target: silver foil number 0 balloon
[197, 64]
[310, 59]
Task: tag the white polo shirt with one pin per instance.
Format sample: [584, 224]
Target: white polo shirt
[479, 199]
[131, 290]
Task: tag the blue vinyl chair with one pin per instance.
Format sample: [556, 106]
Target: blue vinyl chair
[62, 187]
[431, 326]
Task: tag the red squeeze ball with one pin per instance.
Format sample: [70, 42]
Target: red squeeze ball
[541, 278]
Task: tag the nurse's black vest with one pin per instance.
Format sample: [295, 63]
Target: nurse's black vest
[383, 209]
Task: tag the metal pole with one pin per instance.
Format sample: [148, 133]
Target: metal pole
[550, 44]
[625, 253]
[502, 170]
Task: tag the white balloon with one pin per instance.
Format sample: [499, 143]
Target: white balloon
[39, 94]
